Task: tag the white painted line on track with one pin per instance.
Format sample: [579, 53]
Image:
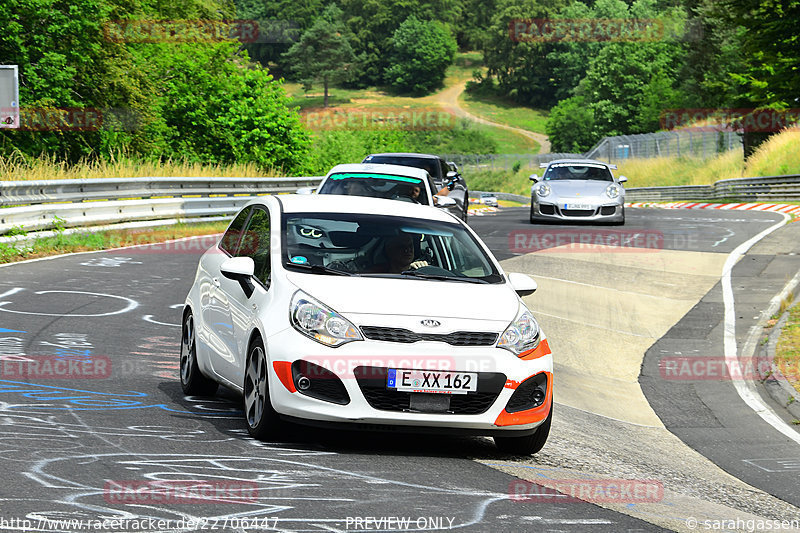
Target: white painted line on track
[745, 388]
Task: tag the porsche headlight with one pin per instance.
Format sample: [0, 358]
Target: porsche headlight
[522, 334]
[543, 189]
[612, 191]
[319, 322]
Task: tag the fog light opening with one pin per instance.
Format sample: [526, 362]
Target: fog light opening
[303, 383]
[538, 397]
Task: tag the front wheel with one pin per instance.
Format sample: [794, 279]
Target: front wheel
[529, 444]
[262, 420]
[192, 381]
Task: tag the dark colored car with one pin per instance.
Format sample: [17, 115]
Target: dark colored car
[445, 175]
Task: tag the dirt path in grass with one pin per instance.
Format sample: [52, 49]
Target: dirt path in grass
[449, 98]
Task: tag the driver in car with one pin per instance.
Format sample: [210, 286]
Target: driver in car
[400, 254]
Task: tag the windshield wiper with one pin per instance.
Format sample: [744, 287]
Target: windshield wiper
[319, 269]
[422, 275]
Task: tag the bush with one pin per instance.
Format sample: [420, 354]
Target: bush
[421, 52]
[571, 126]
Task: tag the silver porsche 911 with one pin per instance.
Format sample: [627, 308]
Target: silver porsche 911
[578, 189]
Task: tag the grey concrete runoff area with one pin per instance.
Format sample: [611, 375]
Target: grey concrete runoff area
[636, 445]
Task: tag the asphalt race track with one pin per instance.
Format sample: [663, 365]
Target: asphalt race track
[119, 418]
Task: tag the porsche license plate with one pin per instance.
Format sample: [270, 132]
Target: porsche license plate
[578, 206]
[432, 381]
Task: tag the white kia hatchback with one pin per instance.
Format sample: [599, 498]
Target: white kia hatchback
[383, 315]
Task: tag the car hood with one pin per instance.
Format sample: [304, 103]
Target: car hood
[578, 188]
[413, 298]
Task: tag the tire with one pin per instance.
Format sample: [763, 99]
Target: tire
[262, 420]
[193, 382]
[528, 445]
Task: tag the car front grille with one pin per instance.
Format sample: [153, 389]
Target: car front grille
[372, 381]
[458, 338]
[578, 212]
[608, 210]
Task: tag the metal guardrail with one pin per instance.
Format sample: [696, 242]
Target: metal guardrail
[677, 143]
[37, 205]
[786, 188]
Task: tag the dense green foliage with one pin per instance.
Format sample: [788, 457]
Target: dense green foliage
[207, 101]
[421, 52]
[351, 146]
[196, 101]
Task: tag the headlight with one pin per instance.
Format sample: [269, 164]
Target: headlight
[612, 191]
[319, 322]
[522, 334]
[543, 189]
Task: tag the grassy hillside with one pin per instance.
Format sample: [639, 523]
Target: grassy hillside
[777, 156]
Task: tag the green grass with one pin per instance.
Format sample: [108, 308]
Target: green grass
[17, 167]
[787, 356]
[504, 112]
[777, 156]
[509, 142]
[499, 180]
[84, 241]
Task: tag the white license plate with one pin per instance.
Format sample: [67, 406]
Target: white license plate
[578, 206]
[432, 381]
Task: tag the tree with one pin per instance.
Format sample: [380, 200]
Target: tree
[323, 53]
[421, 52]
[280, 23]
[373, 23]
[520, 67]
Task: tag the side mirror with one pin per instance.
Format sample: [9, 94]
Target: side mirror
[443, 201]
[523, 284]
[622, 179]
[452, 175]
[240, 269]
[534, 177]
[305, 190]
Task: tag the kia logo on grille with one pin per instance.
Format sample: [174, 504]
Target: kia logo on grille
[429, 323]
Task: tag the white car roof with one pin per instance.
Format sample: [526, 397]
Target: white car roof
[376, 168]
[323, 203]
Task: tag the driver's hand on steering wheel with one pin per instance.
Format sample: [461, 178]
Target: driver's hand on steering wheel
[418, 264]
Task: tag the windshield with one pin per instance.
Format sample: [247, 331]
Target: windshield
[403, 188]
[425, 163]
[380, 245]
[578, 172]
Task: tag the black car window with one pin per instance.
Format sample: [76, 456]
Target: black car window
[255, 243]
[369, 184]
[425, 163]
[445, 168]
[230, 240]
[578, 172]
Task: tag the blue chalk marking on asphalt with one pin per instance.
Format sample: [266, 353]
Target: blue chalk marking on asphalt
[87, 400]
[4, 330]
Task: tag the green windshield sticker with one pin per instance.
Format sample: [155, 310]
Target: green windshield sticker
[384, 177]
